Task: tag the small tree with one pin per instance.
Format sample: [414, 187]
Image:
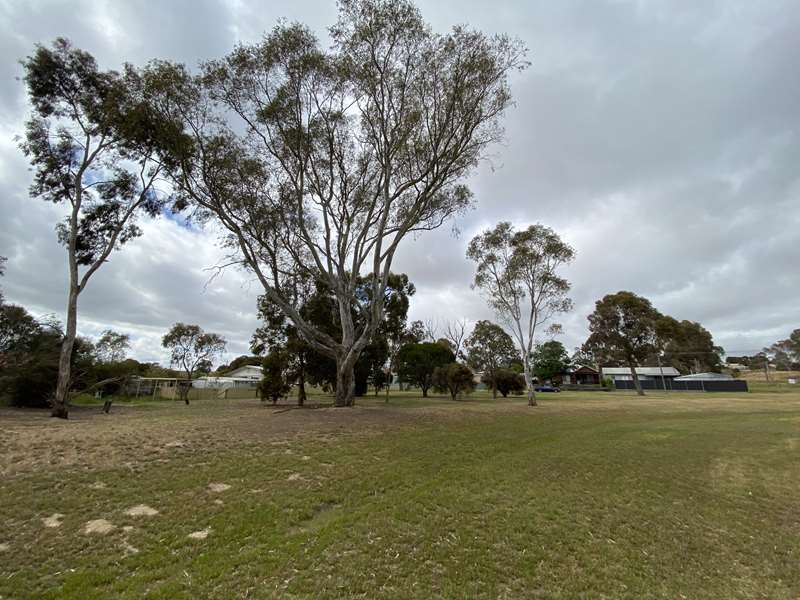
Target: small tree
[276, 381]
[549, 360]
[93, 145]
[509, 381]
[381, 379]
[112, 346]
[454, 378]
[623, 328]
[192, 350]
[416, 363]
[517, 273]
[490, 348]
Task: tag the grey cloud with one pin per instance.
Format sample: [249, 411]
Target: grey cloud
[659, 138]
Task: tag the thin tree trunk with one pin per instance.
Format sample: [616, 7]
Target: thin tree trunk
[60, 406]
[531, 394]
[526, 371]
[636, 383]
[301, 386]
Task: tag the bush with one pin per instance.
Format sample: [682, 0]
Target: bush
[275, 383]
[454, 378]
[509, 382]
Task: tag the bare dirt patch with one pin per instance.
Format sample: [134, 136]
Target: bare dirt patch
[53, 520]
[141, 510]
[98, 526]
[200, 535]
[218, 487]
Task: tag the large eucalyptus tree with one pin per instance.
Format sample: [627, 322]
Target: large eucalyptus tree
[319, 163]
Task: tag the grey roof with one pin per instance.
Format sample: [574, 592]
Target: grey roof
[705, 377]
[666, 371]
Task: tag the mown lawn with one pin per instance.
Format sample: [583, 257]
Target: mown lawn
[587, 496]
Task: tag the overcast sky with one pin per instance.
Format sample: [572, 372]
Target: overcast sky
[660, 139]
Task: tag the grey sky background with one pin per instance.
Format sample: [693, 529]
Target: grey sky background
[659, 138]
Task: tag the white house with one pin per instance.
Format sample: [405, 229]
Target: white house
[247, 376]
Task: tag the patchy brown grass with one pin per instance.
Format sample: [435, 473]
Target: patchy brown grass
[589, 495]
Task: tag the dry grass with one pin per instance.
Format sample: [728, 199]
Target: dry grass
[589, 495]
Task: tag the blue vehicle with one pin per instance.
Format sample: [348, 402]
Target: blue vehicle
[546, 388]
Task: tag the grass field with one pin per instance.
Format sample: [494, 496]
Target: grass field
[600, 495]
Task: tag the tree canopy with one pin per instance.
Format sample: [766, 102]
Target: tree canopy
[549, 360]
[320, 162]
[417, 362]
[488, 349]
[622, 328]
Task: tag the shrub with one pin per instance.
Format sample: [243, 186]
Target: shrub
[454, 378]
[509, 382]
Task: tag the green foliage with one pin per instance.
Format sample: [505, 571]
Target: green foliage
[318, 306]
[490, 348]
[276, 382]
[549, 360]
[92, 126]
[455, 378]
[29, 353]
[417, 362]
[509, 381]
[622, 329]
[786, 353]
[112, 346]
[687, 346]
[380, 379]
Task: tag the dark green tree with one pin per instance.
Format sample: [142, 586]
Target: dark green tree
[623, 329]
[276, 382]
[92, 142]
[687, 346]
[455, 379]
[509, 381]
[488, 349]
[549, 360]
[317, 304]
[416, 363]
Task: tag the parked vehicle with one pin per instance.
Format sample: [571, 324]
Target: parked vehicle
[546, 388]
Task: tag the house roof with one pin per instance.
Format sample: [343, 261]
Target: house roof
[705, 377]
[582, 369]
[666, 371]
[246, 371]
